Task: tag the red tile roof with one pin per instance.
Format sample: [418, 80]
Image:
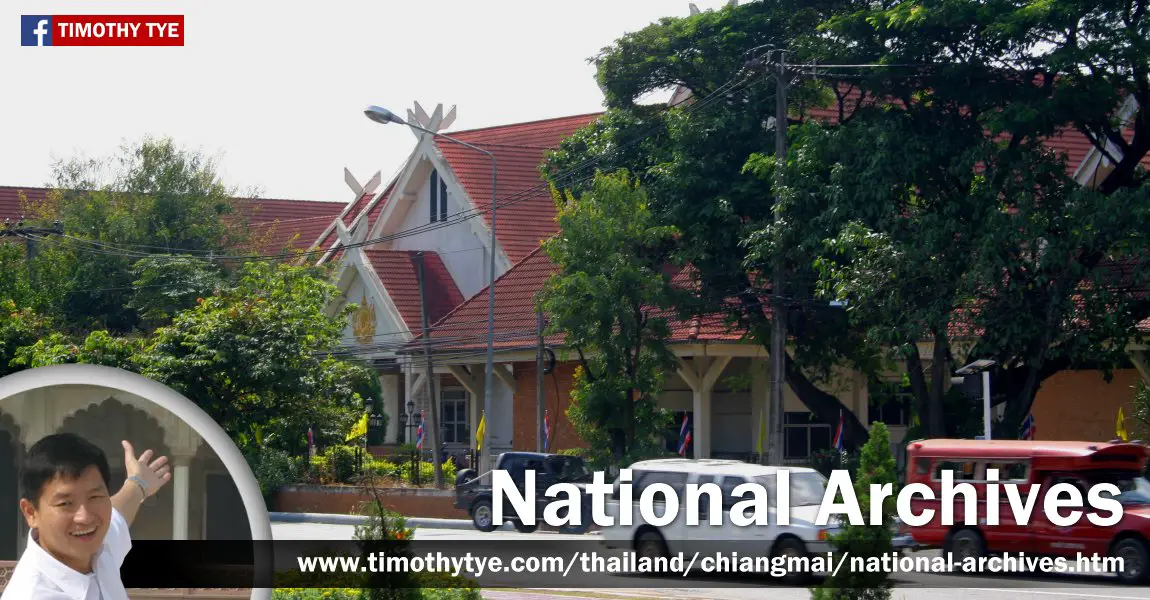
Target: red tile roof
[526, 212]
[398, 272]
[283, 222]
[465, 328]
[274, 222]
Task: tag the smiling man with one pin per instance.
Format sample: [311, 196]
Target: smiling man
[79, 531]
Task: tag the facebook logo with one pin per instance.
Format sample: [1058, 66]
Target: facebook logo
[35, 30]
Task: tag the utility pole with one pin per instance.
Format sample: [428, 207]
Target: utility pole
[778, 307]
[433, 407]
[29, 234]
[539, 387]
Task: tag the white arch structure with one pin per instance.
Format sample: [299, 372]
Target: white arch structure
[177, 404]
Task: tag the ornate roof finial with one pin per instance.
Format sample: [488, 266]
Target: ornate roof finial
[436, 121]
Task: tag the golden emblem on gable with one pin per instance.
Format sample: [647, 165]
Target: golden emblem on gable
[363, 321]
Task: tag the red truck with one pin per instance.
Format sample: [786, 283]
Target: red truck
[1028, 464]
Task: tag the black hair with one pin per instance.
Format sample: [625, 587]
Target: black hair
[60, 455]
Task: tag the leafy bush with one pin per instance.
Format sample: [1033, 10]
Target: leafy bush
[381, 524]
[273, 469]
[317, 594]
[876, 466]
[384, 469]
[427, 472]
[825, 461]
[341, 463]
[427, 593]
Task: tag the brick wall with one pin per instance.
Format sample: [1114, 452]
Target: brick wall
[409, 502]
[525, 425]
[1080, 405]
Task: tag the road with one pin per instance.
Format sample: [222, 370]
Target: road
[908, 586]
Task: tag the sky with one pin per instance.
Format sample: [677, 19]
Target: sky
[275, 91]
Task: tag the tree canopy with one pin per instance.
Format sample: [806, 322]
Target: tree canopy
[918, 183]
[608, 299]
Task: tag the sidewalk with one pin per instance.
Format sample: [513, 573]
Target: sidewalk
[415, 522]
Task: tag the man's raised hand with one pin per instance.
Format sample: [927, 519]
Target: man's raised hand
[153, 473]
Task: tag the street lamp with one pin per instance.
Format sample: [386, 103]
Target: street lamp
[979, 366]
[383, 116]
[411, 424]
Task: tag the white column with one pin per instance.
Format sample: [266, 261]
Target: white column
[700, 374]
[701, 434]
[180, 489]
[390, 405]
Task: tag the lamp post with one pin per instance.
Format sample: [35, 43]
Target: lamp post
[411, 425]
[980, 366]
[384, 116]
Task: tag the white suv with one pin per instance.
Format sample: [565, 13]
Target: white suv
[801, 537]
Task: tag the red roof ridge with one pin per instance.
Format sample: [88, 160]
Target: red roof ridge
[460, 306]
[506, 125]
[523, 146]
[41, 188]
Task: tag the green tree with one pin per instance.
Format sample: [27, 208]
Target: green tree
[866, 542]
[18, 329]
[258, 354]
[609, 299]
[691, 159]
[930, 195]
[153, 197]
[164, 286]
[97, 348]
[1051, 268]
[1141, 414]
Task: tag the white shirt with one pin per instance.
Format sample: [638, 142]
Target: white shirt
[39, 576]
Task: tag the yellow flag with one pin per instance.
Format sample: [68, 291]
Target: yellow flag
[479, 432]
[1122, 435]
[359, 429]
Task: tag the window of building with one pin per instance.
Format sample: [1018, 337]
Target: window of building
[438, 193]
[804, 434]
[890, 403]
[454, 416]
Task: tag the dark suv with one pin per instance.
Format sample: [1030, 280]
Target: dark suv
[474, 497]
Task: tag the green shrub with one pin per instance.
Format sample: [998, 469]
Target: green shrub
[427, 473]
[381, 524]
[317, 594]
[384, 469]
[341, 463]
[273, 469]
[876, 466]
[825, 461]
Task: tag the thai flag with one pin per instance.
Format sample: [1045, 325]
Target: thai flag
[684, 437]
[310, 437]
[546, 431]
[1028, 429]
[419, 436]
[839, 434]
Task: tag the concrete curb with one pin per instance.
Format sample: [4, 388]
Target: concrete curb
[415, 522]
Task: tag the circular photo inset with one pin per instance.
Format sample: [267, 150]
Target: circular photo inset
[93, 458]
